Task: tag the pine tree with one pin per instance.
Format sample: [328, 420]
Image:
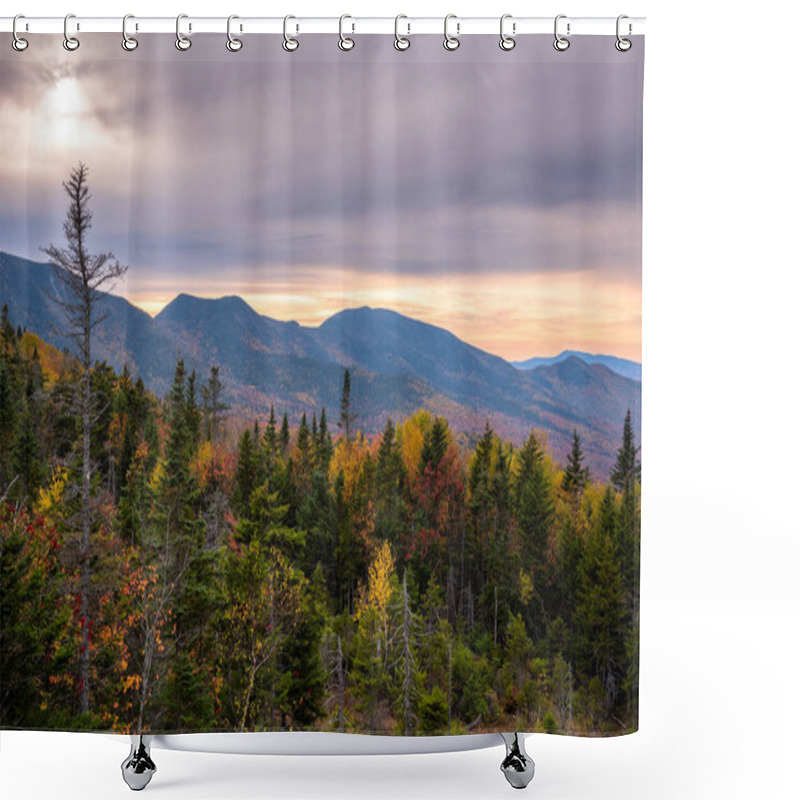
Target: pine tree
[192, 413]
[247, 466]
[301, 684]
[576, 476]
[323, 447]
[270, 442]
[599, 611]
[627, 468]
[26, 454]
[177, 452]
[213, 407]
[534, 507]
[534, 503]
[305, 455]
[390, 507]
[434, 445]
[283, 439]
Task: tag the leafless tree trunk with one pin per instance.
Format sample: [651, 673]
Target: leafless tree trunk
[450, 688]
[83, 277]
[408, 661]
[340, 674]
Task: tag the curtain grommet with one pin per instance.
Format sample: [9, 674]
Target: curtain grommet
[290, 44]
[507, 42]
[129, 43]
[622, 44]
[182, 42]
[71, 43]
[561, 43]
[401, 43]
[451, 43]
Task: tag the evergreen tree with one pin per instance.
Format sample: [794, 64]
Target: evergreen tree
[26, 453]
[576, 476]
[246, 469]
[627, 468]
[283, 439]
[270, 443]
[301, 684]
[599, 609]
[213, 407]
[192, 413]
[434, 445]
[535, 508]
[390, 506]
[323, 446]
[305, 457]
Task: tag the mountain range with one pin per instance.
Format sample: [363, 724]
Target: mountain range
[622, 366]
[397, 364]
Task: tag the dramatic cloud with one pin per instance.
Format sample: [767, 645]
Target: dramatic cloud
[478, 189]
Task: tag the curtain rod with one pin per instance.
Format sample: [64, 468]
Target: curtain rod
[299, 25]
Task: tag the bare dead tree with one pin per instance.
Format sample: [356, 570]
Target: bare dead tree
[83, 277]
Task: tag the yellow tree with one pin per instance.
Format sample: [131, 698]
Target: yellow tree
[373, 603]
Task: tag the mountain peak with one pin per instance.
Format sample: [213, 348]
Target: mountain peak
[622, 366]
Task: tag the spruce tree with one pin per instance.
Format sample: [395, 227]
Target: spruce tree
[323, 446]
[627, 468]
[283, 439]
[534, 507]
[390, 507]
[192, 412]
[246, 468]
[305, 457]
[599, 611]
[213, 407]
[269, 443]
[576, 476]
[434, 445]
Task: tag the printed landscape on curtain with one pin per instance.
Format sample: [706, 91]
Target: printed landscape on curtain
[320, 386]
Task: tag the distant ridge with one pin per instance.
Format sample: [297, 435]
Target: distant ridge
[622, 366]
[398, 364]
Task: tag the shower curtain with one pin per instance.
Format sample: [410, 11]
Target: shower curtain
[320, 385]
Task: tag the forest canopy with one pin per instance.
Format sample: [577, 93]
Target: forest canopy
[287, 574]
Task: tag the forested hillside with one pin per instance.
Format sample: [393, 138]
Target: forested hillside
[397, 363]
[292, 573]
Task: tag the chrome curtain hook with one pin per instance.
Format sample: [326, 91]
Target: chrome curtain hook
[129, 43]
[233, 44]
[401, 42]
[70, 42]
[623, 45]
[289, 44]
[181, 42]
[345, 42]
[17, 42]
[451, 42]
[507, 42]
[561, 43]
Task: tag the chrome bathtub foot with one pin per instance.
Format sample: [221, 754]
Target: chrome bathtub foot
[517, 766]
[138, 768]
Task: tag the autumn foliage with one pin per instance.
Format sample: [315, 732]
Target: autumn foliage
[279, 574]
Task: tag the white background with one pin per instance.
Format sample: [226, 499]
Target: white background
[720, 603]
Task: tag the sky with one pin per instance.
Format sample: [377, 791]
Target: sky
[494, 194]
